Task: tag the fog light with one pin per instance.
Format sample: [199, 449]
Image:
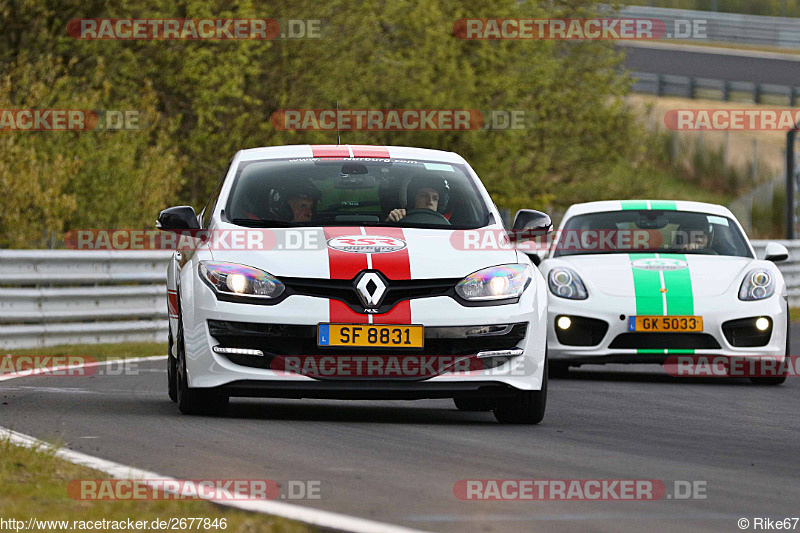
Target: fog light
[762, 324]
[564, 322]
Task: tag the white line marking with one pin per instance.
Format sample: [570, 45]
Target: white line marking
[350, 149]
[369, 263]
[325, 519]
[45, 370]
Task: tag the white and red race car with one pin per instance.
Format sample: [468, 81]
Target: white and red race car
[644, 281]
[334, 271]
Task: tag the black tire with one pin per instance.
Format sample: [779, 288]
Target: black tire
[473, 404]
[172, 371]
[195, 401]
[525, 407]
[777, 380]
[558, 369]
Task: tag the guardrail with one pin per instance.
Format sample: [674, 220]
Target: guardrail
[52, 297]
[778, 32]
[688, 87]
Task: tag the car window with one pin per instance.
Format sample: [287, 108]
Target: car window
[355, 191]
[651, 231]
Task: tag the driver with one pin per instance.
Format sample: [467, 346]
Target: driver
[423, 192]
[295, 202]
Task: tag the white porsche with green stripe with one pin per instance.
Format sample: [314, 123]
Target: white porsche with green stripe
[636, 281]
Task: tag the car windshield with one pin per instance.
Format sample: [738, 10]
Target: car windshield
[651, 231]
[355, 191]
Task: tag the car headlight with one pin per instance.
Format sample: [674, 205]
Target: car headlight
[757, 285]
[495, 283]
[240, 280]
[564, 282]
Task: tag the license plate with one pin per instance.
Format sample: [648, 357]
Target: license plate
[388, 336]
[665, 323]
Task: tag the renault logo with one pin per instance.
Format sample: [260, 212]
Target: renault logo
[370, 288]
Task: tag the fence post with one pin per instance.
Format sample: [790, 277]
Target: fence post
[726, 90]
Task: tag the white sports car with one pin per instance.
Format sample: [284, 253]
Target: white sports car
[636, 281]
[332, 272]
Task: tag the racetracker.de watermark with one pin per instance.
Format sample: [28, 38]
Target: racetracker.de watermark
[578, 490]
[732, 119]
[723, 366]
[174, 29]
[397, 119]
[70, 119]
[579, 29]
[65, 366]
[310, 239]
[411, 366]
[193, 489]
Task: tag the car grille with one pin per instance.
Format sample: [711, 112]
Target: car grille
[396, 291]
[292, 340]
[657, 341]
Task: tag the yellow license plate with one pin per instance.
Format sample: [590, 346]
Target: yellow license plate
[383, 336]
[665, 323]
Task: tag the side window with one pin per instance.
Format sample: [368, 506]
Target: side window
[205, 215]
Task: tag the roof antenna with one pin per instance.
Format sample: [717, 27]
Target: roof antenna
[338, 137]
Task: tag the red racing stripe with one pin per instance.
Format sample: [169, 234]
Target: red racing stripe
[360, 150]
[395, 266]
[172, 303]
[329, 150]
[344, 265]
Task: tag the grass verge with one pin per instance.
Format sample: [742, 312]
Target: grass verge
[98, 351]
[33, 484]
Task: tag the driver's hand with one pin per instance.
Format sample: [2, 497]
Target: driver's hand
[396, 215]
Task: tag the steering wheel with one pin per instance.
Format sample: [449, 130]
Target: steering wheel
[424, 216]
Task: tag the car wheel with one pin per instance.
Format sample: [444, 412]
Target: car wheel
[172, 371]
[195, 401]
[473, 404]
[525, 407]
[777, 380]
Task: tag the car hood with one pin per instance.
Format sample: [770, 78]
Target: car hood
[696, 275]
[342, 252]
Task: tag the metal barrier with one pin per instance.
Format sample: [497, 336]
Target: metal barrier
[687, 87]
[52, 297]
[778, 32]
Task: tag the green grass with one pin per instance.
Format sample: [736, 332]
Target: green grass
[33, 484]
[98, 351]
[794, 314]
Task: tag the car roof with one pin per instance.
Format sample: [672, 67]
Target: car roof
[617, 205]
[352, 150]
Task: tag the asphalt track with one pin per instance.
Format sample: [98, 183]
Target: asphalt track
[397, 462]
[713, 63]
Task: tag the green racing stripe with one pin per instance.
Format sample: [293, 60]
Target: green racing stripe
[647, 285]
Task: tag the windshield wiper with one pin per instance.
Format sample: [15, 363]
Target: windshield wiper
[262, 223]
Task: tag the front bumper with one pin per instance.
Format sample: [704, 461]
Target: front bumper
[289, 328]
[605, 337]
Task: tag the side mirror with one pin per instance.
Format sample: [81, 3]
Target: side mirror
[178, 218]
[776, 252]
[533, 221]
